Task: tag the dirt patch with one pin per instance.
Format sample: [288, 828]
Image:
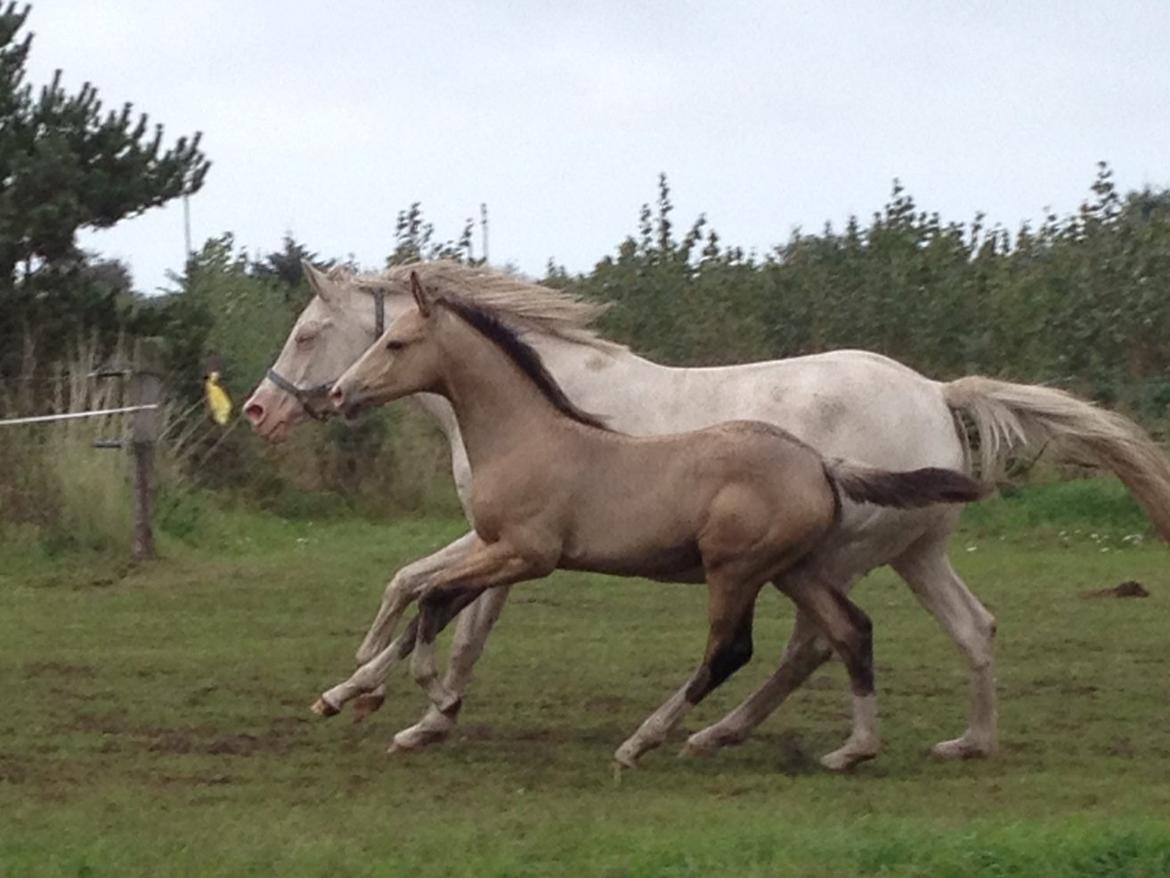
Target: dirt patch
[183, 741]
[59, 669]
[11, 771]
[1131, 588]
[197, 780]
[606, 703]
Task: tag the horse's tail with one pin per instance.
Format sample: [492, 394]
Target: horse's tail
[903, 490]
[1017, 416]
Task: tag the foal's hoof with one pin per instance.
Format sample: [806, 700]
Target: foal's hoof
[323, 708]
[962, 748]
[366, 704]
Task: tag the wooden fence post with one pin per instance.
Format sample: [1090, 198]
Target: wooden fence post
[145, 389]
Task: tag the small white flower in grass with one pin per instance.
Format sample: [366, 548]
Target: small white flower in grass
[972, 548]
[1104, 548]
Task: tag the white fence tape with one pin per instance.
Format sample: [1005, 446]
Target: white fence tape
[69, 416]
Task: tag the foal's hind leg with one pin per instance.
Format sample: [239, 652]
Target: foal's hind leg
[927, 569]
[730, 605]
[805, 652]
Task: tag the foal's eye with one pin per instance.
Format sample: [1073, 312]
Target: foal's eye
[395, 345]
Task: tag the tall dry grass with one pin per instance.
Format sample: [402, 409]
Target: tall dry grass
[56, 488]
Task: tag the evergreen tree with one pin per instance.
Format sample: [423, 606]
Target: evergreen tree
[66, 164]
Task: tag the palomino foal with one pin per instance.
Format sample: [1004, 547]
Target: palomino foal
[739, 504]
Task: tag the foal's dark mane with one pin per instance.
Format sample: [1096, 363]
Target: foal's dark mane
[524, 356]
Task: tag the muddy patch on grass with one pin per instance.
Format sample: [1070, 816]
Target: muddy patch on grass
[281, 736]
[275, 740]
[12, 771]
[59, 669]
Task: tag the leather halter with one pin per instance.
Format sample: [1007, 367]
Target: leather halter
[305, 395]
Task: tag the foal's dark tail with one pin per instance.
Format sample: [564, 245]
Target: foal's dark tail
[904, 490]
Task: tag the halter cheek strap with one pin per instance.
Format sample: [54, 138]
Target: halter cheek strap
[305, 395]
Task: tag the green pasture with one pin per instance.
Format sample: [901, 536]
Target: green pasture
[155, 718]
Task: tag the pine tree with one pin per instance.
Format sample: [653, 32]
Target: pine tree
[66, 163]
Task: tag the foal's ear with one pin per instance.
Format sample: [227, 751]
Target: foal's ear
[318, 280]
[420, 295]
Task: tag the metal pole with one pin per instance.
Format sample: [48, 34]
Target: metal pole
[483, 224]
[186, 226]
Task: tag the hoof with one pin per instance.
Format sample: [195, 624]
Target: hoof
[962, 748]
[418, 737]
[366, 704]
[323, 708]
[627, 756]
[848, 757]
[708, 743]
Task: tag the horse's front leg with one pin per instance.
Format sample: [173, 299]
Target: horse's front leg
[472, 628]
[489, 565]
[373, 658]
[400, 592]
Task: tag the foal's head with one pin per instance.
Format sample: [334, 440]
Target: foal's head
[403, 361]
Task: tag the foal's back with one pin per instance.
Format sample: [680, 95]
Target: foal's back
[665, 505]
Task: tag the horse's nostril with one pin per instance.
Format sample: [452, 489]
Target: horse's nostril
[337, 397]
[254, 412]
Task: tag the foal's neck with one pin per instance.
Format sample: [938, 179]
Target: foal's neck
[497, 406]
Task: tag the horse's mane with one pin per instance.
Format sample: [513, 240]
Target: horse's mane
[522, 354]
[509, 298]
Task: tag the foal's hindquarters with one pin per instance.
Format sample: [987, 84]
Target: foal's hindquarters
[762, 525]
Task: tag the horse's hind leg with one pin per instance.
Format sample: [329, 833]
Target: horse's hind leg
[730, 606]
[928, 571]
[848, 628]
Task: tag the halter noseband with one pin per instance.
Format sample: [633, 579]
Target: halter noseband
[305, 395]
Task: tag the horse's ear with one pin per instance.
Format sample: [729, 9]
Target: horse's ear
[318, 281]
[420, 295]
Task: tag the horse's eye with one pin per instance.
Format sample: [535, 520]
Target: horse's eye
[395, 345]
[305, 338]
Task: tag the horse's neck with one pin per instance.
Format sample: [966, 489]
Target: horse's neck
[624, 389]
[597, 379]
[496, 407]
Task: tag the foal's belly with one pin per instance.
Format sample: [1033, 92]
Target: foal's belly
[678, 562]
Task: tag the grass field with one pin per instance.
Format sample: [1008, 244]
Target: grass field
[155, 722]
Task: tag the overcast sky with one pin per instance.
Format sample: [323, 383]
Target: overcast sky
[325, 119]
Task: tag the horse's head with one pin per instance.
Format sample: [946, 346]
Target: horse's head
[336, 326]
[405, 360]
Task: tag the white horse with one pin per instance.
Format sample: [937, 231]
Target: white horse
[849, 404]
